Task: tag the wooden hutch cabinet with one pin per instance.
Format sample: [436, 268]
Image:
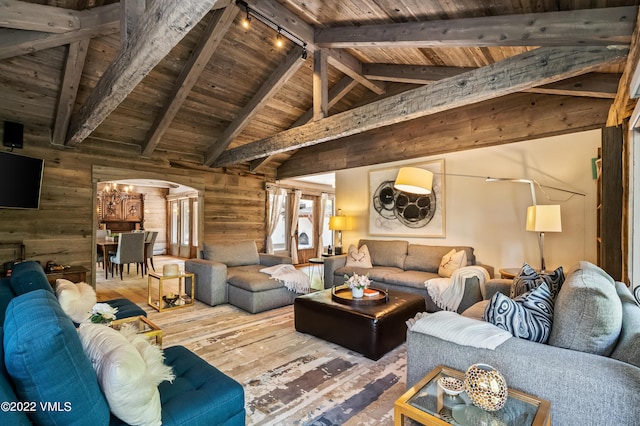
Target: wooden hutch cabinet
[124, 215]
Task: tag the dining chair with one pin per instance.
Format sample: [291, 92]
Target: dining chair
[150, 240]
[130, 250]
[100, 234]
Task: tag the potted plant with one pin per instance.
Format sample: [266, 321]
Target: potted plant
[357, 284]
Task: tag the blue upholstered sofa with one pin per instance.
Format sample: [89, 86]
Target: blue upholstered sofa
[45, 377]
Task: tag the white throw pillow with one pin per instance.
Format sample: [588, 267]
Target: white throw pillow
[452, 261]
[358, 258]
[129, 372]
[76, 300]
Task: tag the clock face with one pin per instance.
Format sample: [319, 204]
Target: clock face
[412, 210]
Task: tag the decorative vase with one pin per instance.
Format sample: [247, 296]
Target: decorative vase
[486, 387]
[357, 292]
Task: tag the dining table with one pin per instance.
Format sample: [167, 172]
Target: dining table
[107, 245]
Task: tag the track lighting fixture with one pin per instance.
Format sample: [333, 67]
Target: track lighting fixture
[246, 21]
[268, 22]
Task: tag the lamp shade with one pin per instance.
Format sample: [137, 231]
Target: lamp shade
[340, 223]
[414, 180]
[544, 218]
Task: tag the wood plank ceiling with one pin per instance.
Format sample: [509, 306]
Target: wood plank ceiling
[184, 82]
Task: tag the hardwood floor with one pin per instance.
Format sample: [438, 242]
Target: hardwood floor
[289, 378]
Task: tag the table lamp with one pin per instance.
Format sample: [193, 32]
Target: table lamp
[541, 219]
[339, 223]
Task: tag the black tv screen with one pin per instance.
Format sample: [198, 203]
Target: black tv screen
[20, 181]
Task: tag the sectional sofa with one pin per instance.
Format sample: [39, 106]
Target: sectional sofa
[401, 266]
[230, 273]
[46, 378]
[589, 369]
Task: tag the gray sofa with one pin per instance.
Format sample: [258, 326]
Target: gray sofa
[400, 266]
[230, 273]
[590, 368]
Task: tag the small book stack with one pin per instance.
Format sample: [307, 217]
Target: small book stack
[371, 292]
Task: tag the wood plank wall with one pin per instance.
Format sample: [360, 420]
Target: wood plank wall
[62, 229]
[155, 215]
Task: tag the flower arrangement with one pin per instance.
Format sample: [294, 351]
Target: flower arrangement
[357, 281]
[103, 313]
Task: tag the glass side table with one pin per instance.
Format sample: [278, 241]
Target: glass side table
[142, 326]
[427, 403]
[161, 299]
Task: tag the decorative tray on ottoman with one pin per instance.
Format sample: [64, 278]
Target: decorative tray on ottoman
[342, 294]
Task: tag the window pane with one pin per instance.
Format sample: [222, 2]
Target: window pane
[195, 223]
[184, 218]
[327, 235]
[305, 224]
[279, 237]
[174, 222]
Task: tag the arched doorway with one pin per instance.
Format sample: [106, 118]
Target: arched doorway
[179, 184]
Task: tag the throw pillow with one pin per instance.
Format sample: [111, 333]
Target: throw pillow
[452, 261]
[588, 312]
[358, 258]
[528, 316]
[129, 371]
[76, 300]
[528, 279]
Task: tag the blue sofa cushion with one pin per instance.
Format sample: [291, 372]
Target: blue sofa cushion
[7, 395]
[6, 294]
[200, 394]
[44, 357]
[28, 276]
[126, 308]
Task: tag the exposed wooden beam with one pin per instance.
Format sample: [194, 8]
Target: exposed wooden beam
[585, 27]
[623, 105]
[473, 126]
[35, 17]
[337, 92]
[164, 24]
[592, 85]
[599, 85]
[76, 55]
[514, 74]
[276, 80]
[320, 85]
[95, 22]
[412, 74]
[209, 42]
[353, 68]
[130, 13]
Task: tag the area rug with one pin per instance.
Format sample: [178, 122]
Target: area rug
[327, 390]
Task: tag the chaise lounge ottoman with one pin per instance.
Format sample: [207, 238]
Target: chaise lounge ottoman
[372, 330]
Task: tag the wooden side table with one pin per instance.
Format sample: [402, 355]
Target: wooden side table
[161, 303]
[427, 403]
[74, 274]
[509, 273]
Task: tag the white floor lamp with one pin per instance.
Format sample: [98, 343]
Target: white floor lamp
[541, 219]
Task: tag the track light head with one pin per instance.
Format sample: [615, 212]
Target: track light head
[246, 21]
[279, 42]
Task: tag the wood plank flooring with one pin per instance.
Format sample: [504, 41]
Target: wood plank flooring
[289, 378]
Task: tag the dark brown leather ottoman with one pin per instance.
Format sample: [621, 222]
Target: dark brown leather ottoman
[371, 330]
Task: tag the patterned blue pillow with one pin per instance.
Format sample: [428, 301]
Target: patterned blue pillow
[528, 279]
[528, 316]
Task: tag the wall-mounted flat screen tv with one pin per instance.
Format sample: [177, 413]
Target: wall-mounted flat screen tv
[20, 181]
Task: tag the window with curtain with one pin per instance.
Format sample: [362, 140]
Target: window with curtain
[306, 224]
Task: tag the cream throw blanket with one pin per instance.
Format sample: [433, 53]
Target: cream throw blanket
[447, 293]
[461, 330]
[292, 278]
